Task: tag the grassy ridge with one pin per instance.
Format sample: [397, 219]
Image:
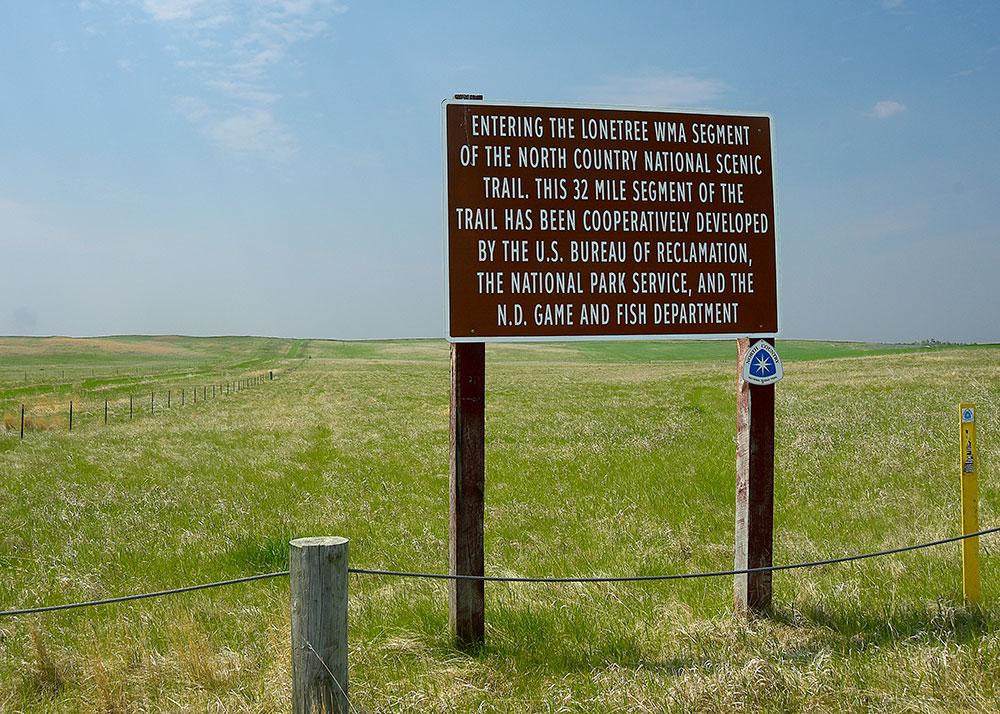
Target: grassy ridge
[595, 465]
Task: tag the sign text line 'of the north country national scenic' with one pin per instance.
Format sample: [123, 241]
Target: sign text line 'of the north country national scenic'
[577, 222]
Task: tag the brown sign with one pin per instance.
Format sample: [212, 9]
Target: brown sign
[567, 222]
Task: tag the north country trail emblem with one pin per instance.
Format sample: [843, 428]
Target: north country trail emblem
[762, 365]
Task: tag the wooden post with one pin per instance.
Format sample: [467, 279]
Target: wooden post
[71, 415]
[130, 406]
[182, 397]
[754, 488]
[466, 603]
[168, 397]
[105, 412]
[318, 583]
[151, 403]
[22, 421]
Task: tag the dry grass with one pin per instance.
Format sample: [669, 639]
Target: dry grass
[55, 346]
[616, 468]
[35, 422]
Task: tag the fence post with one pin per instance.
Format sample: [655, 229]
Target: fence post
[754, 489]
[318, 583]
[130, 406]
[151, 402]
[22, 421]
[105, 412]
[71, 415]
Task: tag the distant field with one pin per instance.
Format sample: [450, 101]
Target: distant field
[45, 374]
[608, 351]
[602, 459]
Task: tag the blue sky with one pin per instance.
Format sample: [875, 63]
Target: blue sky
[274, 167]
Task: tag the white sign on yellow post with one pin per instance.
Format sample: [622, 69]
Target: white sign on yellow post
[970, 503]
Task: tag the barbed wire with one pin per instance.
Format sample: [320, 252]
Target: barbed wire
[126, 598]
[115, 398]
[518, 579]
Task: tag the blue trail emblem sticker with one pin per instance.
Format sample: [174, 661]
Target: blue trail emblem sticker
[762, 365]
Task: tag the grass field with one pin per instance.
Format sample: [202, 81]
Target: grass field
[602, 459]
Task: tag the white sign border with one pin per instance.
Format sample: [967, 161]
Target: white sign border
[445, 103]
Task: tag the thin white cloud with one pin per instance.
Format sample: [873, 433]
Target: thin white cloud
[214, 21]
[248, 129]
[172, 9]
[656, 88]
[245, 131]
[886, 109]
[232, 48]
[244, 91]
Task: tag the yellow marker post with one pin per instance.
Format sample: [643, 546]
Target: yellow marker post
[970, 503]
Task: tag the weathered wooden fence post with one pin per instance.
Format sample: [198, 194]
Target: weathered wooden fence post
[22, 421]
[754, 488]
[71, 415]
[466, 599]
[318, 575]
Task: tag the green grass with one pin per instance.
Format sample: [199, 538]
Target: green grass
[602, 458]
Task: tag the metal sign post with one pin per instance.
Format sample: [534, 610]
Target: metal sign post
[970, 503]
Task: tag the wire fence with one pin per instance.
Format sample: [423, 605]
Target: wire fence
[517, 579]
[116, 405]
